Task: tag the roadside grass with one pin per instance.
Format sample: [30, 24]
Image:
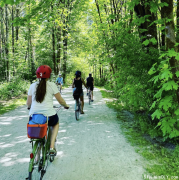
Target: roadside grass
[9, 105]
[162, 162]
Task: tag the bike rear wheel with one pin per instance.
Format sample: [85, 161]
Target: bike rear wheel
[77, 110]
[36, 163]
[89, 96]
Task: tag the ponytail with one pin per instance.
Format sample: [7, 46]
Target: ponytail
[41, 90]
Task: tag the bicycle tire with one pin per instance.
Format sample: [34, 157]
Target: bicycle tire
[77, 114]
[36, 167]
[80, 107]
[30, 176]
[89, 96]
[77, 110]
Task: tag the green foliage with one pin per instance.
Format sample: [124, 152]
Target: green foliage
[12, 104]
[165, 106]
[14, 88]
[99, 82]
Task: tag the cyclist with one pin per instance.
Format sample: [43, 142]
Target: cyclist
[90, 84]
[77, 83]
[59, 81]
[40, 100]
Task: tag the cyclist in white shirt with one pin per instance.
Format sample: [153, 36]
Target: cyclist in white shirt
[40, 100]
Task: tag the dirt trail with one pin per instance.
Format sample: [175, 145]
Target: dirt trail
[92, 148]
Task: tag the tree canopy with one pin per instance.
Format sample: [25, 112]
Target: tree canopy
[131, 46]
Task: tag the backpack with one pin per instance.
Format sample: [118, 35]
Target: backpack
[37, 119]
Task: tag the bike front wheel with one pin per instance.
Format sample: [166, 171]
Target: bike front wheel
[77, 114]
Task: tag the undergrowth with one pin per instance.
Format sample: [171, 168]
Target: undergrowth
[13, 88]
[162, 160]
[12, 104]
[13, 94]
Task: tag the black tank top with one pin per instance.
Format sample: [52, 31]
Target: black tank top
[78, 83]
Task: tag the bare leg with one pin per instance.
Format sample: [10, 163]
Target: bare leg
[82, 102]
[91, 95]
[54, 135]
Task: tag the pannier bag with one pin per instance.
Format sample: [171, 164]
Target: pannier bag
[37, 126]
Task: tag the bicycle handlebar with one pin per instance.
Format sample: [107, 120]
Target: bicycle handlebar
[59, 107]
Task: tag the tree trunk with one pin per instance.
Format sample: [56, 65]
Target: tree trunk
[130, 21]
[17, 28]
[2, 70]
[177, 23]
[7, 44]
[53, 48]
[100, 72]
[65, 52]
[13, 41]
[163, 31]
[59, 39]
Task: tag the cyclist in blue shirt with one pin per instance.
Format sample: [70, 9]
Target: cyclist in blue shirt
[59, 81]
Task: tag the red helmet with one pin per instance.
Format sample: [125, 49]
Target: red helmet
[43, 71]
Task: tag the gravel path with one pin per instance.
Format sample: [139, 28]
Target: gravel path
[92, 148]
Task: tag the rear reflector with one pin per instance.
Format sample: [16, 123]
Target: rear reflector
[31, 155]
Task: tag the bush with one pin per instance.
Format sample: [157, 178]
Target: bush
[99, 82]
[13, 88]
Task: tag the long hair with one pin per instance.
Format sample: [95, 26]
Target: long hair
[41, 90]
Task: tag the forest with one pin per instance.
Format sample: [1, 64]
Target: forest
[129, 46]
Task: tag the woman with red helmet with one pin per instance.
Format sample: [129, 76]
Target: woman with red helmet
[40, 100]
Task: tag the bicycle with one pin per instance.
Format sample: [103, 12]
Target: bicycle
[77, 108]
[59, 87]
[40, 138]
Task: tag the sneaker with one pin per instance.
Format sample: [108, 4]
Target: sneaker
[82, 112]
[53, 152]
[87, 94]
[92, 100]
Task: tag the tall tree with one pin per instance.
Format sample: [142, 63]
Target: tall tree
[7, 43]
